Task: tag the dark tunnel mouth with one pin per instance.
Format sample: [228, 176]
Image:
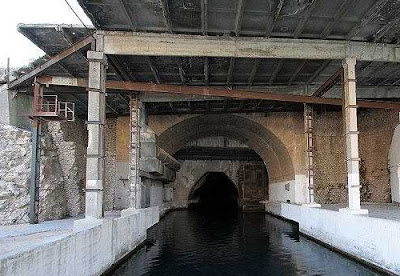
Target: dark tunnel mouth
[214, 192]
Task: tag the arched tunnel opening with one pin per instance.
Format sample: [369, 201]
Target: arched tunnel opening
[215, 192]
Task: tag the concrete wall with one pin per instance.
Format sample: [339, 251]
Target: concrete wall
[284, 133]
[90, 249]
[15, 108]
[357, 235]
[278, 138]
[4, 105]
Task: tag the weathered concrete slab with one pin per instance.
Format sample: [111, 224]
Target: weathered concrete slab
[75, 247]
[373, 239]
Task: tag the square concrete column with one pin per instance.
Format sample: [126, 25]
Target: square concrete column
[95, 125]
[134, 177]
[351, 135]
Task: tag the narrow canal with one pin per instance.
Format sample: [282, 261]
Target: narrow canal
[197, 243]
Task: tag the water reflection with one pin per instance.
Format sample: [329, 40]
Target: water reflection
[196, 243]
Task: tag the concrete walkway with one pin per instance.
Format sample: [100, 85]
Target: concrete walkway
[376, 210]
[21, 237]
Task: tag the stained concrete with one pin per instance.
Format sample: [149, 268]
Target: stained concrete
[73, 247]
[373, 239]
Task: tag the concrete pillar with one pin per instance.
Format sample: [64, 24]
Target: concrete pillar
[134, 177]
[351, 136]
[96, 123]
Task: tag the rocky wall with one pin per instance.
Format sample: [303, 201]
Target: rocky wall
[15, 168]
[376, 130]
[71, 142]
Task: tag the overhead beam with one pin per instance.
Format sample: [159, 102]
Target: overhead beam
[213, 92]
[230, 71]
[329, 83]
[151, 44]
[318, 72]
[127, 15]
[116, 64]
[385, 29]
[272, 19]
[204, 17]
[180, 68]
[239, 16]
[304, 20]
[206, 72]
[166, 15]
[276, 72]
[153, 69]
[53, 60]
[297, 72]
[338, 15]
[253, 72]
[368, 17]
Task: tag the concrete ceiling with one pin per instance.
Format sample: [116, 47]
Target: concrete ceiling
[358, 20]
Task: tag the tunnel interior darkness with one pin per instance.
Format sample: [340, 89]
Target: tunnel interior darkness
[215, 192]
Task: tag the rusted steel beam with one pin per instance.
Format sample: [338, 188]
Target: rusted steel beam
[213, 92]
[53, 60]
[329, 83]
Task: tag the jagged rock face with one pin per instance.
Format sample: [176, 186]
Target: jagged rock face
[15, 169]
[71, 142]
[15, 157]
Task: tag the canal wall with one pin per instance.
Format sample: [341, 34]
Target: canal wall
[90, 249]
[369, 239]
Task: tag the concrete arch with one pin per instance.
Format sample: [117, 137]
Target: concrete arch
[273, 152]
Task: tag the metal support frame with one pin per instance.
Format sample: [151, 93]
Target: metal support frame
[329, 83]
[35, 162]
[134, 177]
[52, 61]
[213, 92]
[309, 135]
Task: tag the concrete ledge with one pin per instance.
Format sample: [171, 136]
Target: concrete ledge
[372, 240]
[363, 212]
[91, 248]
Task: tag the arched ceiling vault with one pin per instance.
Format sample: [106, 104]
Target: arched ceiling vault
[260, 139]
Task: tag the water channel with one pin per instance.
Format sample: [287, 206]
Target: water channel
[202, 243]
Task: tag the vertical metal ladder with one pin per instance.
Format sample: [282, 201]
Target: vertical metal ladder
[309, 131]
[134, 151]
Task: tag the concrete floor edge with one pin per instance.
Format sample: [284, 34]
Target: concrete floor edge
[91, 248]
[333, 230]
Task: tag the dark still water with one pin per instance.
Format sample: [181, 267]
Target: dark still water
[195, 243]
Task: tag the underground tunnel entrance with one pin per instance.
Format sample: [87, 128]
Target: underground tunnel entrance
[214, 192]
